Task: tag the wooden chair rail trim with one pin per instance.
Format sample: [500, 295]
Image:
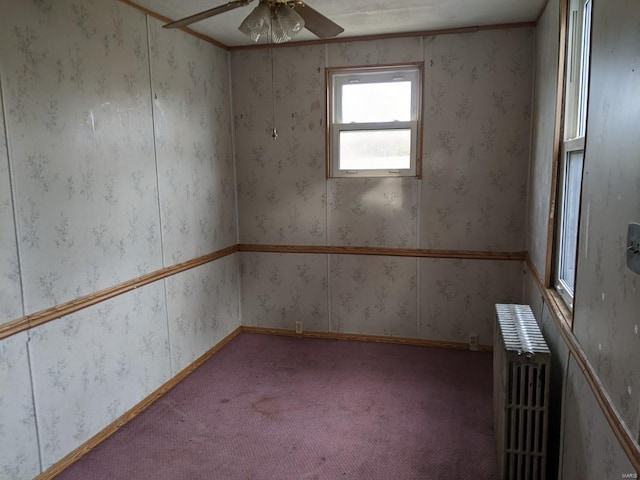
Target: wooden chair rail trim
[383, 251]
[137, 409]
[614, 419]
[41, 317]
[132, 413]
[47, 315]
[357, 337]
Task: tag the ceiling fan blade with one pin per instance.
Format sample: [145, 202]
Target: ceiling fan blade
[207, 13]
[315, 22]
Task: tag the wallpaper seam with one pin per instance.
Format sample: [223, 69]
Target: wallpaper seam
[12, 192]
[233, 146]
[155, 146]
[236, 199]
[14, 209]
[33, 399]
[419, 195]
[563, 406]
[527, 213]
[155, 158]
[326, 212]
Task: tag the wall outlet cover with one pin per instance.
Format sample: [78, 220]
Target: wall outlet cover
[473, 341]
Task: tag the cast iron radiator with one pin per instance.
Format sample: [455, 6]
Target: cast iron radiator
[521, 371]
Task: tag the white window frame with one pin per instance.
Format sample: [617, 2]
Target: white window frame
[336, 78]
[576, 94]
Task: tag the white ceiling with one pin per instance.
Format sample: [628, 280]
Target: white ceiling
[360, 17]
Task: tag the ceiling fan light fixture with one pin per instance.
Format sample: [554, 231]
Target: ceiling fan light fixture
[281, 18]
[286, 23]
[256, 25]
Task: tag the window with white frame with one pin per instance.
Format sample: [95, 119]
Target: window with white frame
[572, 152]
[374, 119]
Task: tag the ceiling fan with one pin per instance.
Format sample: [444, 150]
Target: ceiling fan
[280, 17]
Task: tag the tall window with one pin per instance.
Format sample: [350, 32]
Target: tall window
[572, 152]
[374, 121]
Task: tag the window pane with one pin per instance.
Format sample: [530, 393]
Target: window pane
[570, 211]
[376, 102]
[375, 149]
[584, 70]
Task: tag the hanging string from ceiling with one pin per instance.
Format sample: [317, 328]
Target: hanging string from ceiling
[274, 130]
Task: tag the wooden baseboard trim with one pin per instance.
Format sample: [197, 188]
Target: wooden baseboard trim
[67, 308]
[383, 251]
[608, 407]
[44, 316]
[132, 413]
[417, 342]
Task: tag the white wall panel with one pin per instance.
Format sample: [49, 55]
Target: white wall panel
[10, 287]
[458, 297]
[18, 441]
[279, 289]
[374, 295]
[281, 183]
[203, 308]
[78, 113]
[92, 366]
[192, 121]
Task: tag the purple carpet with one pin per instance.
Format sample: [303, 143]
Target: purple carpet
[269, 407]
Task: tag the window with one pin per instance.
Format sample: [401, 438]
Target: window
[572, 152]
[374, 121]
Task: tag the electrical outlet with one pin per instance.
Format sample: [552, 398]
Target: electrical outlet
[299, 326]
[473, 341]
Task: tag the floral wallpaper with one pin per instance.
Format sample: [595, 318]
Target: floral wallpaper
[92, 366]
[279, 289]
[533, 296]
[377, 295]
[546, 84]
[559, 364]
[10, 291]
[203, 307]
[192, 125]
[375, 52]
[118, 138]
[458, 297]
[590, 449]
[374, 295]
[281, 184]
[606, 318]
[18, 441]
[80, 132]
[477, 103]
[477, 120]
[120, 145]
[376, 212]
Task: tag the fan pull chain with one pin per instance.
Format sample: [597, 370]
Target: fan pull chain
[274, 131]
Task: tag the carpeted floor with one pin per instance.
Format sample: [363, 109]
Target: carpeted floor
[269, 407]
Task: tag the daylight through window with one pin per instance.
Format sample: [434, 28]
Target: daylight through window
[572, 156]
[374, 125]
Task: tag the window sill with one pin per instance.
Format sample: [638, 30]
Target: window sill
[561, 309]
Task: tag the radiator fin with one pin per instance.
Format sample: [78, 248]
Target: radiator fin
[521, 366]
